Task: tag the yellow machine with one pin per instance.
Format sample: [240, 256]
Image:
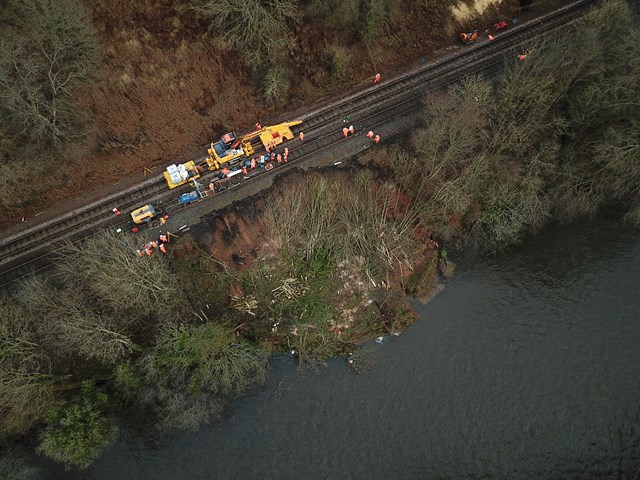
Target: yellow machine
[143, 214]
[177, 175]
[230, 147]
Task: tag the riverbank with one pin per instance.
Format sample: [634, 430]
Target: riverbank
[319, 265]
[535, 345]
[326, 260]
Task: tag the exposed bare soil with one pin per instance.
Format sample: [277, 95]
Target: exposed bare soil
[167, 85]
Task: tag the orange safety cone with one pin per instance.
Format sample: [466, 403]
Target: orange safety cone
[491, 37]
[345, 132]
[370, 134]
[376, 139]
[377, 78]
[301, 136]
[522, 57]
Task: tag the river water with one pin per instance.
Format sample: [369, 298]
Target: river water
[526, 366]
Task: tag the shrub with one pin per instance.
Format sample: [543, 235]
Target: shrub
[340, 63]
[276, 84]
[77, 433]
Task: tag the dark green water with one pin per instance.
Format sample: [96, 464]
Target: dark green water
[525, 367]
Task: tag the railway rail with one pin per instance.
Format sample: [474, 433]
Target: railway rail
[394, 98]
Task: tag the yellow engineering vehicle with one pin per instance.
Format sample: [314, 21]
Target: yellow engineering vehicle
[144, 214]
[177, 175]
[230, 148]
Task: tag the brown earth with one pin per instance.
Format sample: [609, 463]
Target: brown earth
[167, 85]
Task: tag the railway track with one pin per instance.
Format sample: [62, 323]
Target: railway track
[368, 109]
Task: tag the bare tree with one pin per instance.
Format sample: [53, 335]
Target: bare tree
[260, 30]
[25, 372]
[134, 288]
[49, 52]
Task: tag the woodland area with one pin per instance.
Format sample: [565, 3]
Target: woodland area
[92, 91]
[554, 138]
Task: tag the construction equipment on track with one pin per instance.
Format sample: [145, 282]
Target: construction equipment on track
[177, 175]
[230, 148]
[144, 214]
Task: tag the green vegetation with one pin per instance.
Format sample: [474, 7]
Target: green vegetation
[77, 433]
[192, 370]
[340, 63]
[555, 137]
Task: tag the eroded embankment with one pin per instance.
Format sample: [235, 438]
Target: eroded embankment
[319, 263]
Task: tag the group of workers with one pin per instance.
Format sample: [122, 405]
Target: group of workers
[350, 130]
[148, 248]
[261, 161]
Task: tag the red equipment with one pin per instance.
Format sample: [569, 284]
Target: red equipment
[500, 25]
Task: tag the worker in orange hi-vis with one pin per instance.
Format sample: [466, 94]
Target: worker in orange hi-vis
[244, 170]
[162, 248]
[279, 158]
[345, 132]
[377, 78]
[352, 130]
[253, 163]
[301, 136]
[522, 57]
[370, 134]
[116, 211]
[286, 152]
[376, 139]
[140, 253]
[163, 238]
[147, 250]
[153, 244]
[258, 126]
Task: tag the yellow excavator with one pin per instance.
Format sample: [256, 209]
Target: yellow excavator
[230, 148]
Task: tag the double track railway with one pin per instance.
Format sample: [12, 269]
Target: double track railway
[400, 97]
